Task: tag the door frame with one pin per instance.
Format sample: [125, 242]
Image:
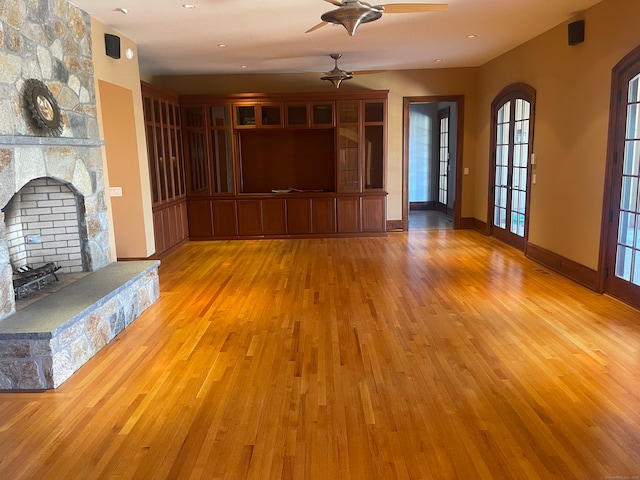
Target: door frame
[619, 73]
[509, 90]
[457, 202]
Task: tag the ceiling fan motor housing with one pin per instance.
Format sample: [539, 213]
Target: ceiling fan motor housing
[350, 17]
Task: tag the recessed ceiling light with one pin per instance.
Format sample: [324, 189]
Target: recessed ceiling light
[188, 5]
[124, 11]
[243, 66]
[222, 45]
[438, 60]
[471, 36]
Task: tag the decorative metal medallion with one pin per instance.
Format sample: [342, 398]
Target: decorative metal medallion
[43, 106]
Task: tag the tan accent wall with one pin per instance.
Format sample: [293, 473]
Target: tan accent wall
[118, 123]
[127, 165]
[573, 89]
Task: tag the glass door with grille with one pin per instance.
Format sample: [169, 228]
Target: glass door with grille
[622, 271]
[512, 136]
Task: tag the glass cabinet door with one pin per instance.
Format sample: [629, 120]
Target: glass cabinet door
[322, 114]
[348, 173]
[195, 150]
[296, 115]
[270, 115]
[221, 161]
[207, 144]
[258, 115]
[245, 115]
[373, 147]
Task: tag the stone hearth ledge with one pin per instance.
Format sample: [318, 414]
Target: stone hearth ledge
[43, 344]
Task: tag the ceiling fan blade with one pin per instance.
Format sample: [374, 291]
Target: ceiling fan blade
[413, 7]
[335, 2]
[367, 72]
[321, 24]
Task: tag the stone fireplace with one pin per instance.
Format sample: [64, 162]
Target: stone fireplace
[53, 206]
[50, 194]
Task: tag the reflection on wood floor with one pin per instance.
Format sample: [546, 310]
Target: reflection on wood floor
[428, 355]
[429, 220]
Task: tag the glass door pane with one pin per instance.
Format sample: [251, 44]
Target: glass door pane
[197, 162]
[443, 160]
[520, 166]
[296, 115]
[627, 265]
[373, 156]
[348, 146]
[502, 166]
[221, 159]
[322, 115]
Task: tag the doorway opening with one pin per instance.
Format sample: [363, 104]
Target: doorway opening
[432, 162]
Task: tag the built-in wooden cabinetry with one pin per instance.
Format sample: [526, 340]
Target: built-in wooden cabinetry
[262, 165]
[166, 167]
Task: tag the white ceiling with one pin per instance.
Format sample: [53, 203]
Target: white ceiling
[268, 36]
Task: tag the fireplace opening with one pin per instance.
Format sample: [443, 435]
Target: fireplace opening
[45, 238]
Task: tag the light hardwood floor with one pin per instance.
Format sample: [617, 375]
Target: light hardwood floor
[426, 355]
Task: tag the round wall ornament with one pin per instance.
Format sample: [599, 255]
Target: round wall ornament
[43, 106]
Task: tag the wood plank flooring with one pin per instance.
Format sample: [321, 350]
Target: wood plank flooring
[426, 355]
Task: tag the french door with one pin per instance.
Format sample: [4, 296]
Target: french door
[512, 140]
[443, 159]
[622, 268]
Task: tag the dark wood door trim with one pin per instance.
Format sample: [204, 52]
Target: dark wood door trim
[406, 103]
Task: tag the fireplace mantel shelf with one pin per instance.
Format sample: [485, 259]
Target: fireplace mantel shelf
[30, 140]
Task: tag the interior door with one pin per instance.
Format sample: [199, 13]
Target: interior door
[443, 160]
[513, 138]
[622, 277]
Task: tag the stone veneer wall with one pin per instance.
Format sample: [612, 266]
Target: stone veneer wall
[50, 40]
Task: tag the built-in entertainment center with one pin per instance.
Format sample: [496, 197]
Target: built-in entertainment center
[265, 165]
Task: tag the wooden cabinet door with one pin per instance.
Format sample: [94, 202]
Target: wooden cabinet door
[274, 216]
[249, 217]
[373, 214]
[224, 218]
[158, 234]
[349, 215]
[200, 220]
[323, 215]
[298, 215]
[182, 220]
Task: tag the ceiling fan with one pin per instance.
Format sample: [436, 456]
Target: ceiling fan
[351, 13]
[337, 76]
